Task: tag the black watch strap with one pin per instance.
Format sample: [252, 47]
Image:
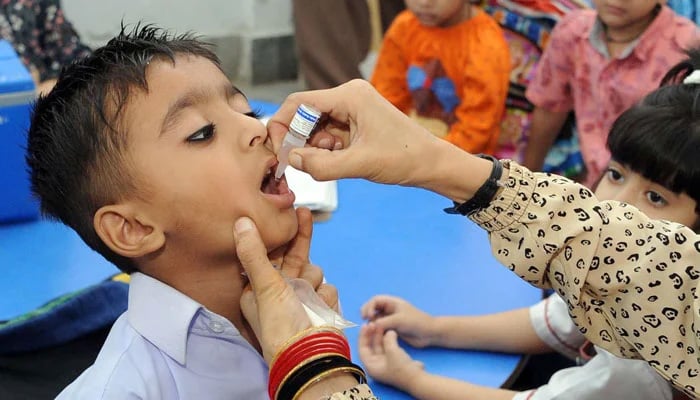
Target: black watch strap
[482, 198]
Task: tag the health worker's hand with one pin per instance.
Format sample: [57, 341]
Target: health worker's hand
[268, 303]
[360, 136]
[293, 260]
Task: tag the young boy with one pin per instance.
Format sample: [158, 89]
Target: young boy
[655, 168]
[447, 63]
[598, 63]
[150, 154]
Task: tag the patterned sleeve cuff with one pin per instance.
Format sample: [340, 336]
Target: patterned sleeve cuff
[359, 392]
[510, 203]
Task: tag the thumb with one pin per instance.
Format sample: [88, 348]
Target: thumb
[321, 164]
[253, 256]
[391, 341]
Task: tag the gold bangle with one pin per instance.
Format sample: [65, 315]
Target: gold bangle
[299, 335]
[303, 363]
[325, 374]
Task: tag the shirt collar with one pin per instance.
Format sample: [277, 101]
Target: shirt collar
[643, 44]
[161, 314]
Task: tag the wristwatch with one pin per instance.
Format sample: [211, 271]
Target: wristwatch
[482, 198]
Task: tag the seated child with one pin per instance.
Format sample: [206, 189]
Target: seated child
[447, 64]
[654, 167]
[598, 63]
[150, 154]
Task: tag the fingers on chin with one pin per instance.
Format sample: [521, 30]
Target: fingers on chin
[329, 295]
[312, 274]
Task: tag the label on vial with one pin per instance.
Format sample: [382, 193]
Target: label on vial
[305, 120]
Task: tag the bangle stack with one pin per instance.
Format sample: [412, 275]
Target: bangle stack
[307, 358]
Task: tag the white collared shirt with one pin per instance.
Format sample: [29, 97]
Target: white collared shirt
[604, 376]
[167, 346]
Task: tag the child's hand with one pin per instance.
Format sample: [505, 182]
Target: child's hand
[384, 360]
[392, 313]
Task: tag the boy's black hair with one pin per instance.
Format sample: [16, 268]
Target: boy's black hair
[659, 137]
[76, 142]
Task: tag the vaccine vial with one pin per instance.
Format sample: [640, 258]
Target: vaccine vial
[300, 129]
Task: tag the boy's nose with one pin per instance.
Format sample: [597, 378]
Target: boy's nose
[257, 135]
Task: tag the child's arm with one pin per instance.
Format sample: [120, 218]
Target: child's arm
[389, 76]
[510, 331]
[388, 363]
[551, 92]
[483, 97]
[543, 132]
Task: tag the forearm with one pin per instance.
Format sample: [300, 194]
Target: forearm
[543, 132]
[427, 386]
[509, 332]
[451, 171]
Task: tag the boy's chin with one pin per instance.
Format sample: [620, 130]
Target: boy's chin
[277, 251]
[280, 239]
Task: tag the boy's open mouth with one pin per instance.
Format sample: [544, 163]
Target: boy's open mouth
[276, 191]
[272, 186]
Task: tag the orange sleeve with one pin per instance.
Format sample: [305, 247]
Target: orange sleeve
[389, 76]
[484, 90]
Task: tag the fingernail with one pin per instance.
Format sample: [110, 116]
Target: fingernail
[325, 143]
[243, 224]
[295, 160]
[338, 145]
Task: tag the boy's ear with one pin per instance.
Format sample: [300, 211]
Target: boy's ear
[126, 232]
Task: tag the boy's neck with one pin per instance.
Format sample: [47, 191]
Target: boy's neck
[218, 288]
[459, 17]
[627, 34]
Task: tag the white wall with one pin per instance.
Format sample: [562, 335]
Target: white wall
[98, 20]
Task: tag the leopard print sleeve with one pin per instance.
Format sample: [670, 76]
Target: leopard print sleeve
[629, 282]
[359, 392]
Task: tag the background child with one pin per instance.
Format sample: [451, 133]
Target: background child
[655, 168]
[447, 62]
[598, 63]
[150, 154]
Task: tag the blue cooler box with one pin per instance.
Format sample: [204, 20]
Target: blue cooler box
[17, 94]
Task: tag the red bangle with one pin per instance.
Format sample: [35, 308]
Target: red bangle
[302, 351]
[308, 351]
[331, 338]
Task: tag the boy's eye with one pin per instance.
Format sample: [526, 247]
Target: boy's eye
[203, 134]
[614, 175]
[656, 199]
[254, 114]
